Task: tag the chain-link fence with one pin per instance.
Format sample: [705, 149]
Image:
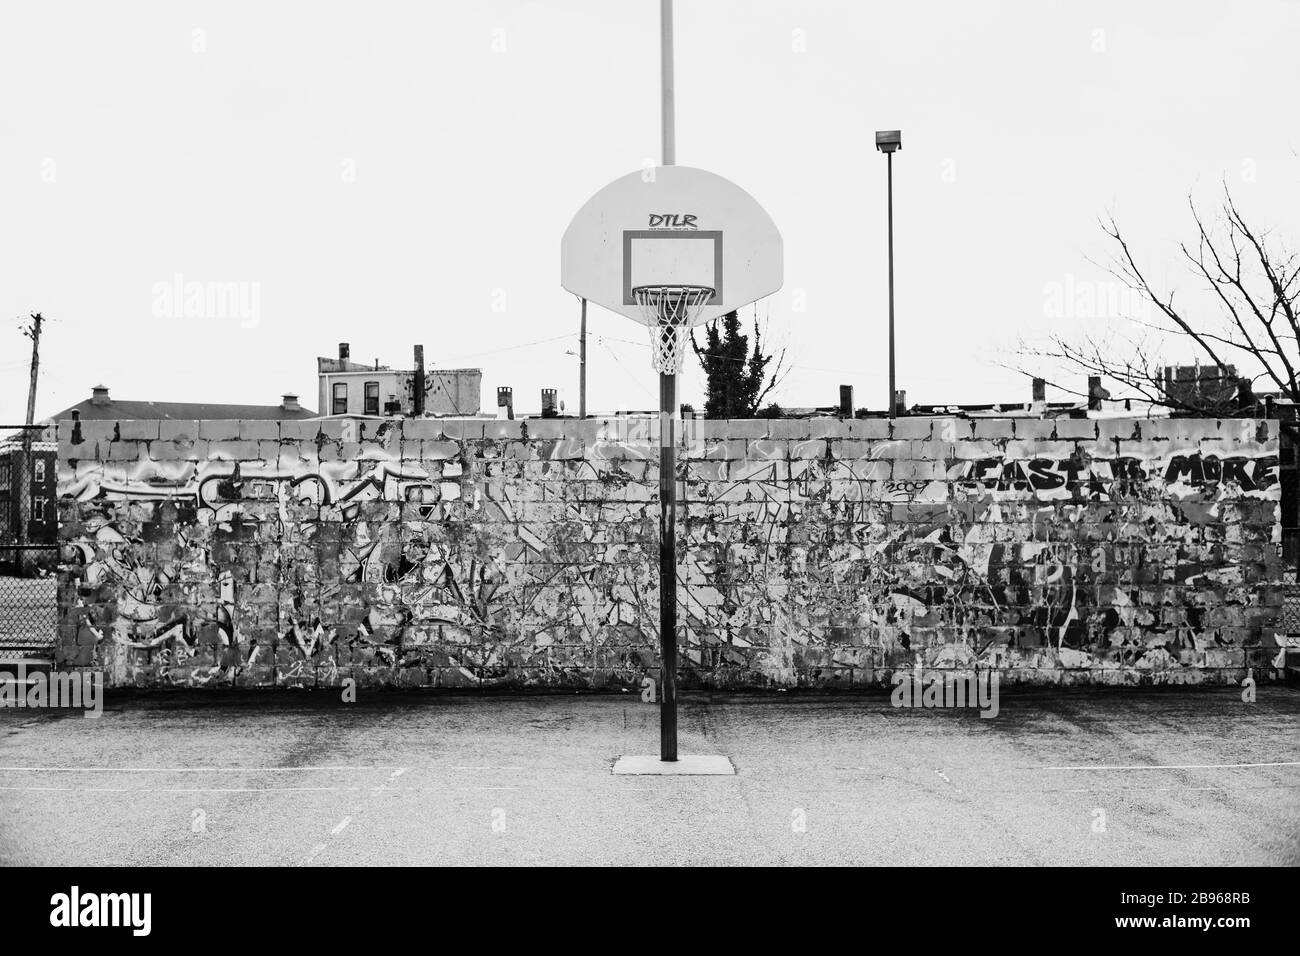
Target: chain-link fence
[28, 589]
[28, 535]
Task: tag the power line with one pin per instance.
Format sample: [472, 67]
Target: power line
[634, 378]
[510, 348]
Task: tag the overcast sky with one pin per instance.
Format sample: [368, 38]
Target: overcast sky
[388, 173]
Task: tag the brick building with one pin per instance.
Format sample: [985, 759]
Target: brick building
[357, 388]
[42, 519]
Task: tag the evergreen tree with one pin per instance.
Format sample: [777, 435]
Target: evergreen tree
[737, 378]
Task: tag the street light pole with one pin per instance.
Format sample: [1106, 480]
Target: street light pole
[887, 141]
[893, 393]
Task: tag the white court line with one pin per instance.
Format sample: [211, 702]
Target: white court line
[185, 789]
[315, 850]
[249, 790]
[292, 789]
[1177, 766]
[482, 768]
[1279, 786]
[195, 769]
[397, 771]
[339, 828]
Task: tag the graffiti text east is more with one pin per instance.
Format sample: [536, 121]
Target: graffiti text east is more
[1100, 476]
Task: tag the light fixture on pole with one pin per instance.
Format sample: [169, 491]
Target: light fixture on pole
[887, 141]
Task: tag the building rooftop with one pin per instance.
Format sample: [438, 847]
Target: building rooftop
[100, 407]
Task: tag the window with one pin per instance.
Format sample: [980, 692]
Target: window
[38, 470]
[38, 508]
[340, 398]
[372, 398]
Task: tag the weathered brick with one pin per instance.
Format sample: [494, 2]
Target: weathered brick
[813, 448]
[460, 429]
[986, 428]
[214, 430]
[543, 428]
[178, 430]
[789, 429]
[92, 431]
[138, 430]
[829, 428]
[1034, 429]
[253, 430]
[234, 450]
[749, 428]
[868, 429]
[1075, 428]
[1121, 428]
[911, 428]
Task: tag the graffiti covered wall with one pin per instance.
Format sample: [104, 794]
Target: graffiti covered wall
[471, 553]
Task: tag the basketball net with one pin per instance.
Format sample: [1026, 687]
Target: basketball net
[670, 312]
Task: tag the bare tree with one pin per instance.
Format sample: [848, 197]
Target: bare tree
[1248, 321]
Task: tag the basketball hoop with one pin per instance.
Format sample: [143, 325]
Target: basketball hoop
[670, 271]
[669, 312]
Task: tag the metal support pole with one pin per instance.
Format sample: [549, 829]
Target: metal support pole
[669, 113]
[582, 364]
[667, 451]
[418, 384]
[889, 161]
[667, 567]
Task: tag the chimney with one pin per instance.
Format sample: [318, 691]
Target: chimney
[549, 401]
[900, 401]
[506, 400]
[1040, 390]
[290, 402]
[846, 401]
[1096, 393]
[417, 385]
[1245, 395]
[99, 395]
[344, 352]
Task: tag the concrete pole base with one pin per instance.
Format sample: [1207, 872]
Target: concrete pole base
[692, 765]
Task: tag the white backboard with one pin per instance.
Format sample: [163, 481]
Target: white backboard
[671, 225]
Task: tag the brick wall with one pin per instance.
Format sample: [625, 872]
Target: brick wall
[459, 553]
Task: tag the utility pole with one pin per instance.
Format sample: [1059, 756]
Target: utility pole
[33, 332]
[23, 479]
